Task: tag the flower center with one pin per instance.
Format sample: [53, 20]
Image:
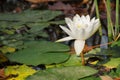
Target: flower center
[78, 25]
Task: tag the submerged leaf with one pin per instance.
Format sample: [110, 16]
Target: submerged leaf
[112, 51]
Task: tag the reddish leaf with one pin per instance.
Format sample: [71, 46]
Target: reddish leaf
[39, 1]
[117, 79]
[66, 8]
[106, 77]
[2, 74]
[17, 10]
[60, 6]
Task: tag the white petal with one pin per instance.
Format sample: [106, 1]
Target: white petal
[80, 34]
[79, 46]
[65, 39]
[66, 30]
[92, 29]
[92, 20]
[77, 19]
[89, 31]
[83, 18]
[70, 24]
[97, 20]
[88, 18]
[76, 16]
[96, 26]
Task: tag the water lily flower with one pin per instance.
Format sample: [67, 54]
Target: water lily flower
[80, 29]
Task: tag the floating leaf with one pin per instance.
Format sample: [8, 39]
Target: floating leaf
[114, 62]
[19, 72]
[6, 49]
[57, 22]
[94, 51]
[40, 52]
[46, 46]
[37, 26]
[9, 31]
[33, 17]
[72, 61]
[63, 73]
[91, 78]
[30, 16]
[29, 24]
[2, 58]
[115, 73]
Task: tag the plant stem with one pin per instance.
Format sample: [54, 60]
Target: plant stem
[107, 43]
[117, 19]
[98, 15]
[117, 37]
[111, 33]
[82, 58]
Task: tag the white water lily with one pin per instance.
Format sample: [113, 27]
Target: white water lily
[80, 29]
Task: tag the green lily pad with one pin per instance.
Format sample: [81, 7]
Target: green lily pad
[63, 73]
[30, 16]
[91, 78]
[40, 52]
[73, 61]
[114, 62]
[46, 46]
[115, 73]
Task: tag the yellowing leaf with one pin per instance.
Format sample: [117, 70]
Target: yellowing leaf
[9, 31]
[94, 62]
[19, 72]
[6, 49]
[114, 62]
